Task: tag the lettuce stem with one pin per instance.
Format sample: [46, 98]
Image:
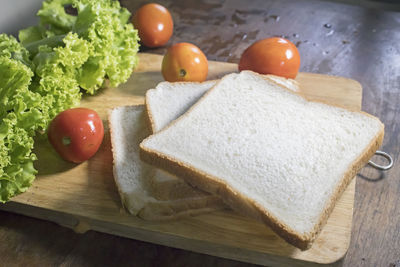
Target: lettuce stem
[53, 41]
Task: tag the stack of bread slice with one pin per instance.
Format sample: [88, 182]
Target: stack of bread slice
[248, 142]
[149, 192]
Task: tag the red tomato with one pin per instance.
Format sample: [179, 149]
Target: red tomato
[274, 55]
[154, 24]
[184, 62]
[76, 134]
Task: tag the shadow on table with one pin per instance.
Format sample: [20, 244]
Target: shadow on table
[49, 162]
[371, 174]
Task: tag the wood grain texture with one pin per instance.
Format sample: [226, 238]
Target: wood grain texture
[362, 44]
[84, 196]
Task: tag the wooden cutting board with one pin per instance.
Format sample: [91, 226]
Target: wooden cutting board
[84, 197]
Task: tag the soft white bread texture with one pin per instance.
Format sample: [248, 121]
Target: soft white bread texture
[268, 152]
[134, 178]
[168, 101]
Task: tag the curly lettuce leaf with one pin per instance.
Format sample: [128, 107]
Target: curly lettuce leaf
[31, 34]
[105, 25]
[54, 25]
[125, 60]
[11, 48]
[57, 69]
[16, 98]
[54, 16]
[35, 36]
[14, 75]
[16, 158]
[59, 92]
[65, 59]
[20, 116]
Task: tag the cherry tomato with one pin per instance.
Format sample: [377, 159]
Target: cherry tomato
[76, 134]
[184, 62]
[154, 24]
[274, 55]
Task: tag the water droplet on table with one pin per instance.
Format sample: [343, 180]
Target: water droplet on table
[330, 33]
[283, 36]
[275, 17]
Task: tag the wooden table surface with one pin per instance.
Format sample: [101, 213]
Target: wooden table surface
[357, 42]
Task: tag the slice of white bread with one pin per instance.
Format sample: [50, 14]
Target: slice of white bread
[128, 127]
[268, 152]
[151, 193]
[166, 103]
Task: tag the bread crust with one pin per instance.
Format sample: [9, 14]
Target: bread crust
[149, 115]
[242, 203]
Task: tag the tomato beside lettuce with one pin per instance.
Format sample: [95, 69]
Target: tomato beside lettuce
[46, 72]
[76, 134]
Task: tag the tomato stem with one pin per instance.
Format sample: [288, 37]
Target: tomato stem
[66, 141]
[182, 72]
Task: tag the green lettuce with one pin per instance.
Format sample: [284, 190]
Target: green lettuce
[45, 72]
[57, 70]
[103, 24]
[20, 117]
[115, 43]
[16, 158]
[12, 49]
[15, 79]
[53, 15]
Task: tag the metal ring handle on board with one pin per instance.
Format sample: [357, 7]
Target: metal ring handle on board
[382, 167]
